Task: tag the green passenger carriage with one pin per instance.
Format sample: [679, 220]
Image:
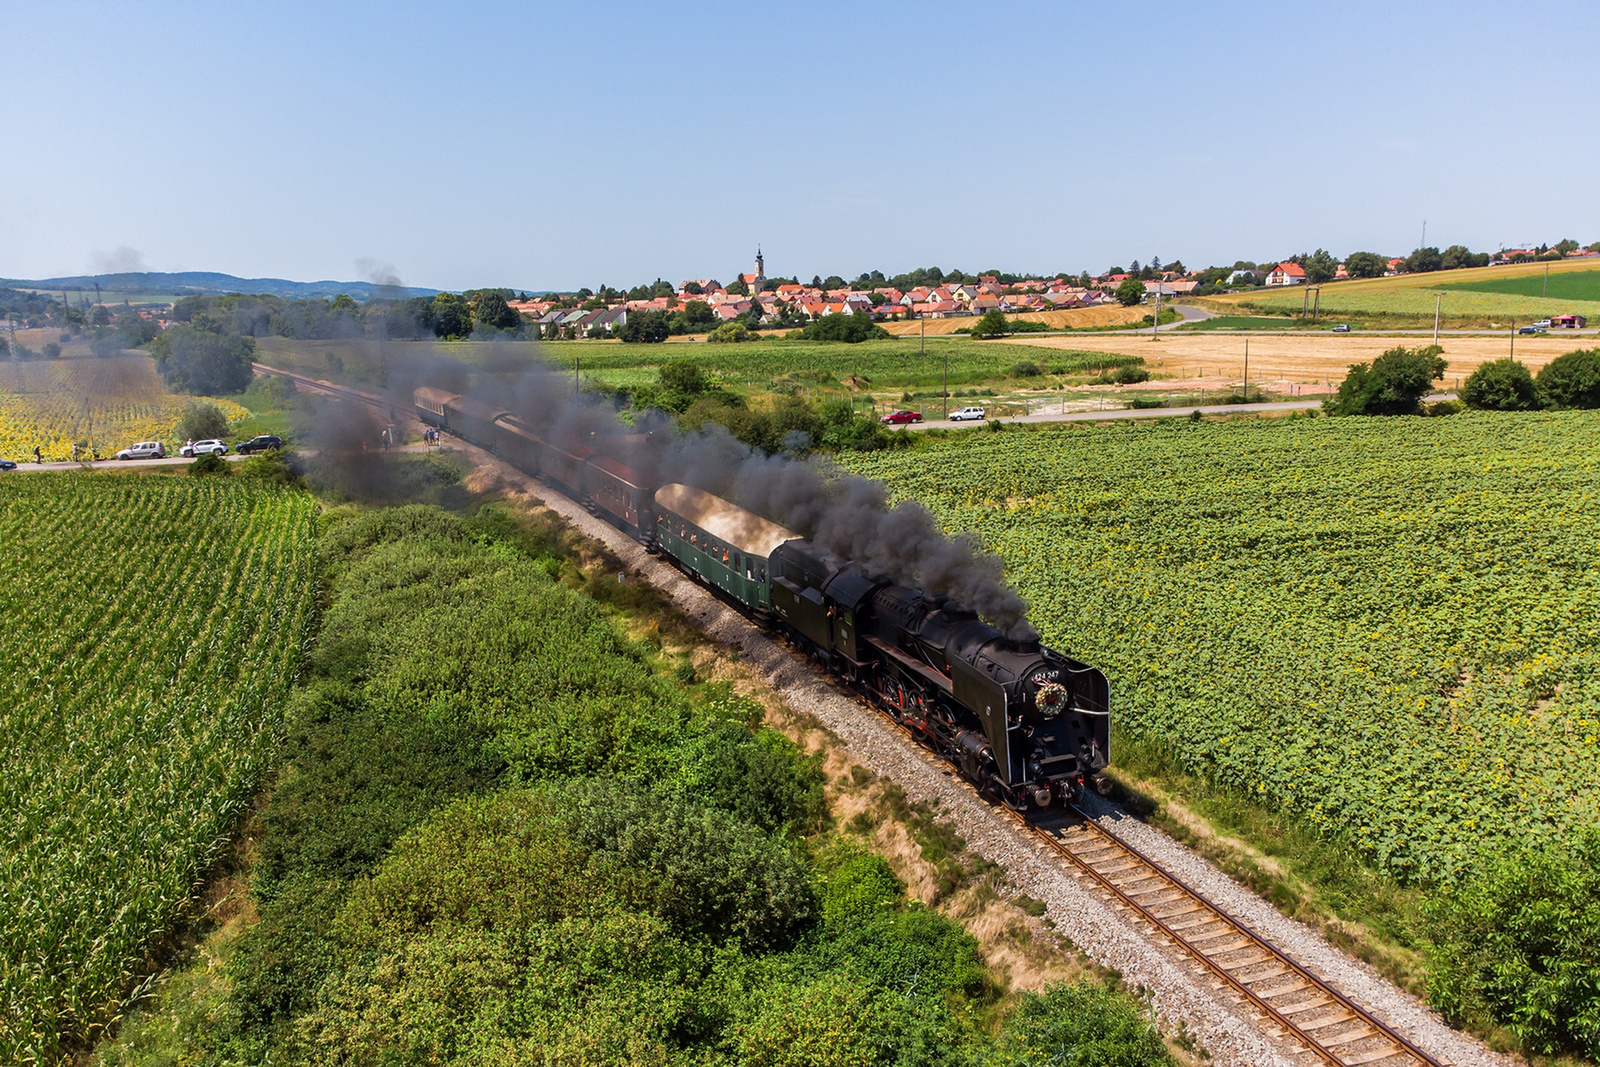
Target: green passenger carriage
[726, 546]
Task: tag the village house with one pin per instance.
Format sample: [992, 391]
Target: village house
[1286, 273]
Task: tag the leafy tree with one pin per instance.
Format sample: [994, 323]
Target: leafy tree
[1393, 384]
[1504, 385]
[695, 316]
[646, 327]
[1520, 947]
[1320, 267]
[852, 329]
[833, 281]
[494, 312]
[729, 332]
[1566, 247]
[693, 288]
[1424, 260]
[201, 358]
[343, 303]
[1130, 292]
[683, 376]
[1457, 256]
[990, 324]
[450, 317]
[1570, 381]
[739, 287]
[202, 419]
[1366, 265]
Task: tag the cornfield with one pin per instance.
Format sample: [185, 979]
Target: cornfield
[103, 404]
[153, 628]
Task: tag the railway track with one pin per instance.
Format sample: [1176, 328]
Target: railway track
[1293, 1005]
[1313, 1021]
[316, 385]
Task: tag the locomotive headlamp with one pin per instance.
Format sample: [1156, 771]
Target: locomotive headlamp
[1051, 699]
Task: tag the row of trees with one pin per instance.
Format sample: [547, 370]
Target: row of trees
[1396, 382]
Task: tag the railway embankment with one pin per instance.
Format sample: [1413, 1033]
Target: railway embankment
[1186, 995]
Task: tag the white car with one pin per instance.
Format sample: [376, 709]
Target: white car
[211, 447]
[144, 450]
[966, 413]
[1543, 324]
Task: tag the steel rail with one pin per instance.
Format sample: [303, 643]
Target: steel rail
[1402, 1046]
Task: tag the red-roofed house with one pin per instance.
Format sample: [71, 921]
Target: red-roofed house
[1286, 274]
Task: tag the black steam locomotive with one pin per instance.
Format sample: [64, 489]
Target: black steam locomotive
[1025, 724]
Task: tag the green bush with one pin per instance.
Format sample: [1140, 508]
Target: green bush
[1131, 375]
[730, 332]
[852, 329]
[1520, 947]
[1503, 385]
[1026, 370]
[201, 420]
[1082, 1025]
[989, 324]
[1572, 380]
[209, 464]
[1393, 384]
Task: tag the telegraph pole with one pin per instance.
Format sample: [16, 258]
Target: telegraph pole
[1155, 320]
[1437, 304]
[1513, 339]
[1247, 370]
[1544, 290]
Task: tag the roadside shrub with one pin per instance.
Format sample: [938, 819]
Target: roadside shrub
[1142, 402]
[1504, 385]
[1026, 370]
[1443, 407]
[201, 419]
[1572, 380]
[1131, 375]
[1392, 384]
[1520, 947]
[209, 464]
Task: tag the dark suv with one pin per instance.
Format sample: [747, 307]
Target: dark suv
[265, 443]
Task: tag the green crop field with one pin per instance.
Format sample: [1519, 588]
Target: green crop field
[1389, 626]
[1474, 296]
[1567, 285]
[1251, 322]
[897, 363]
[153, 627]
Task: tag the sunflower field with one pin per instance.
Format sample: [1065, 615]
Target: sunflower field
[153, 627]
[103, 404]
[1390, 626]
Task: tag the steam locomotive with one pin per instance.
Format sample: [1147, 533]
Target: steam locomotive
[1027, 725]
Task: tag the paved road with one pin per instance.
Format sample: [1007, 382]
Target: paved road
[1127, 413]
[112, 464]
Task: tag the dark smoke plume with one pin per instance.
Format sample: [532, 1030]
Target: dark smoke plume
[842, 514]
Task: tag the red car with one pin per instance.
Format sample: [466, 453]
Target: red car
[903, 416]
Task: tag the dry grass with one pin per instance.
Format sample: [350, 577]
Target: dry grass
[1300, 358]
[1077, 318]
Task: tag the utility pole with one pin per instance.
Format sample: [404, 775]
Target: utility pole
[1305, 300]
[1544, 291]
[1437, 304]
[1247, 370]
[1316, 305]
[1155, 320]
[1513, 339]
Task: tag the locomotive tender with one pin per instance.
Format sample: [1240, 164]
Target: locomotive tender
[1027, 725]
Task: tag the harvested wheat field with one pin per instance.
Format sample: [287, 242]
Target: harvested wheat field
[1077, 318]
[1299, 359]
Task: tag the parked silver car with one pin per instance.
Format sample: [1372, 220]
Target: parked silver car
[144, 450]
[210, 446]
[966, 413]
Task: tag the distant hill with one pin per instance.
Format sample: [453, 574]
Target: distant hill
[210, 283]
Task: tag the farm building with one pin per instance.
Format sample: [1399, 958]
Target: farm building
[1569, 321]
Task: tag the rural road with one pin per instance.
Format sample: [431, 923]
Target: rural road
[1127, 413]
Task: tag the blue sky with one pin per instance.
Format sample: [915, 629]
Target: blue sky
[553, 146]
